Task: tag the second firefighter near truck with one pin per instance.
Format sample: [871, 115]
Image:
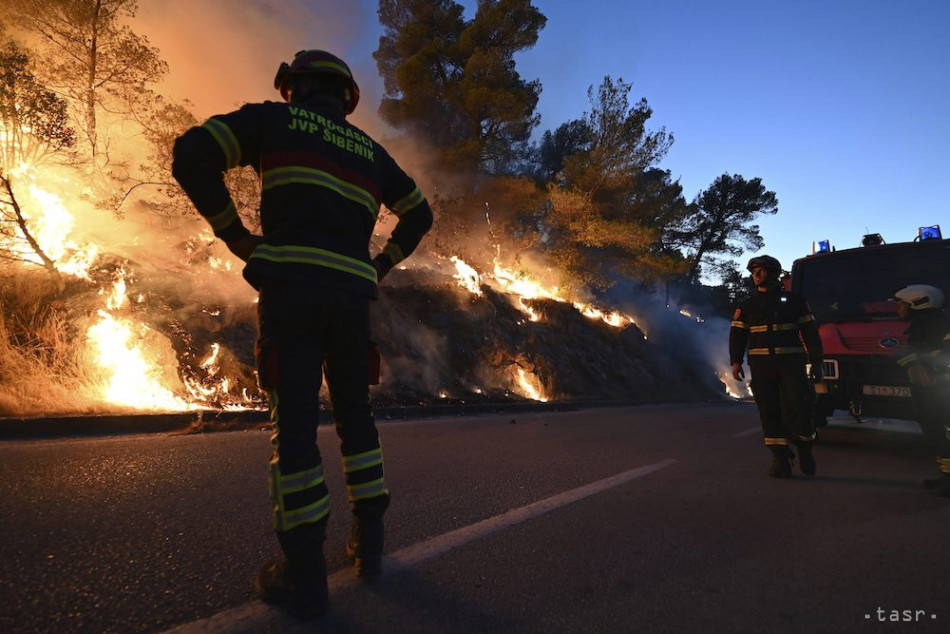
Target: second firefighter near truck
[322, 183]
[927, 361]
[778, 331]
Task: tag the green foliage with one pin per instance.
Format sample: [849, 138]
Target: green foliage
[609, 205]
[622, 147]
[454, 83]
[721, 222]
[556, 147]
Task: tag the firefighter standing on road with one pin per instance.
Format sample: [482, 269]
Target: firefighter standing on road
[323, 180]
[928, 341]
[774, 323]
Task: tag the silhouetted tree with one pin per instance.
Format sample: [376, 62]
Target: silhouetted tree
[723, 220]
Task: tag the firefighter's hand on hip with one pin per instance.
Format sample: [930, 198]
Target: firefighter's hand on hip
[737, 372]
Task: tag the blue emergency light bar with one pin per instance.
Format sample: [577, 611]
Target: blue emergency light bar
[822, 246]
[929, 233]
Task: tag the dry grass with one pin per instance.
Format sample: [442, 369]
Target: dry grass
[41, 350]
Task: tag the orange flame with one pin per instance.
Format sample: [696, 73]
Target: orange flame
[131, 379]
[467, 276]
[530, 385]
[523, 287]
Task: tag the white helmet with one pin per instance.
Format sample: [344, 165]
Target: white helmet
[920, 296]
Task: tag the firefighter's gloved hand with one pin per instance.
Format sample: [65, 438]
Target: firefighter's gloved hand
[737, 372]
[816, 372]
[244, 246]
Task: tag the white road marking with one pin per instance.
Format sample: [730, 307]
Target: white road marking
[748, 432]
[258, 616]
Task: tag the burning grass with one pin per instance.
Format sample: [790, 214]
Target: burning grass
[125, 340]
[73, 346]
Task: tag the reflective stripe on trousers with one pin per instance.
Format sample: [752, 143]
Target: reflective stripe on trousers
[298, 497]
[364, 475]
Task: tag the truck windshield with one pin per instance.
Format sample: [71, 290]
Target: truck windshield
[857, 285]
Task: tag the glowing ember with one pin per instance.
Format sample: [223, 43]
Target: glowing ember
[529, 385]
[213, 392]
[132, 381]
[467, 276]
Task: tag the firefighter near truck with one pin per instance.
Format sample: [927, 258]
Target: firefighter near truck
[862, 335]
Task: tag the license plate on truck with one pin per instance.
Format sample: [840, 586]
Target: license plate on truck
[887, 390]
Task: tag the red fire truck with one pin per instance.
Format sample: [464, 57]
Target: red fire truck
[848, 291]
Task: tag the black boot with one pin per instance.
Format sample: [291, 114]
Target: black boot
[365, 545]
[297, 582]
[806, 459]
[781, 462]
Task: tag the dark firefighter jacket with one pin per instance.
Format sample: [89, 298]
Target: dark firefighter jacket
[769, 323]
[928, 347]
[322, 182]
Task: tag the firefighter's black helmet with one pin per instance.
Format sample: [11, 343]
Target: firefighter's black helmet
[766, 262]
[317, 62]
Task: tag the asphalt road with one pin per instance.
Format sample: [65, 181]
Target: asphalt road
[147, 533]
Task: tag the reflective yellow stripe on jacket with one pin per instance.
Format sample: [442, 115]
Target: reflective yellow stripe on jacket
[908, 359]
[311, 176]
[778, 350]
[223, 220]
[226, 140]
[316, 257]
[408, 202]
[780, 327]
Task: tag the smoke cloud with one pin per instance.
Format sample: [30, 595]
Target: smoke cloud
[223, 54]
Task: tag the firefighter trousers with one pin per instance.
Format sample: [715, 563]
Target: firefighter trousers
[301, 336]
[784, 398]
[932, 404]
